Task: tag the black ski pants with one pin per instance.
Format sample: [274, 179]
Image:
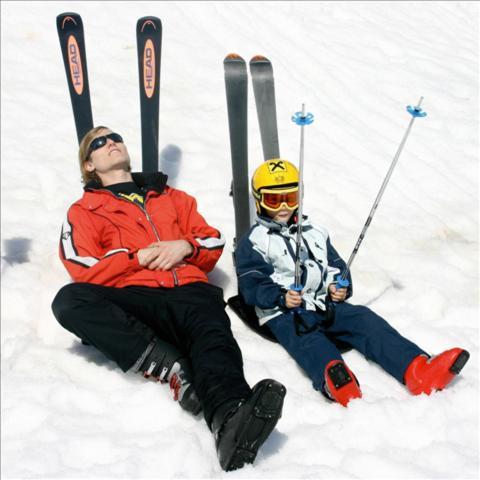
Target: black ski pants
[121, 322]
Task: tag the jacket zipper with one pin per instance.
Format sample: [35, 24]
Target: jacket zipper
[150, 221]
[144, 210]
[174, 273]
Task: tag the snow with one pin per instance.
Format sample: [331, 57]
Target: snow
[68, 412]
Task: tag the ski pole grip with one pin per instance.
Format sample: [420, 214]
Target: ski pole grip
[296, 288]
[342, 283]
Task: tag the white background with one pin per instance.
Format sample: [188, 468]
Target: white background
[67, 412]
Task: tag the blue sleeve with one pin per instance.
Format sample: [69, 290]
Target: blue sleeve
[254, 281]
[334, 260]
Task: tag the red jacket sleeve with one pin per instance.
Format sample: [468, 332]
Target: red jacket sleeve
[207, 241]
[83, 257]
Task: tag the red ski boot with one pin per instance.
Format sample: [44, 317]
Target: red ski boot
[424, 374]
[341, 385]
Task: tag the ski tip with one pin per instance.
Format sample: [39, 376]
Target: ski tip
[68, 18]
[148, 17]
[148, 24]
[259, 58]
[68, 14]
[233, 56]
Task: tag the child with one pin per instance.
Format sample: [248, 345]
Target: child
[309, 323]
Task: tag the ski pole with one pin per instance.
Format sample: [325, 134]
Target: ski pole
[415, 112]
[301, 119]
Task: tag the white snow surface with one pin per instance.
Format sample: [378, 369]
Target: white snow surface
[68, 412]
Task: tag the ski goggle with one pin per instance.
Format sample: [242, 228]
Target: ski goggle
[275, 200]
[100, 142]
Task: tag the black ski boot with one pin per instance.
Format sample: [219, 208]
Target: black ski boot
[164, 363]
[241, 427]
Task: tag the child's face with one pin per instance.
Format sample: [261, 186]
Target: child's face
[282, 215]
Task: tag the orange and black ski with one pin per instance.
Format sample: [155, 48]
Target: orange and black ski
[70, 33]
[149, 44]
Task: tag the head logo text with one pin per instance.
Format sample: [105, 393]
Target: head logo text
[149, 68]
[75, 62]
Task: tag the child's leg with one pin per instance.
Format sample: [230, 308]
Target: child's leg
[371, 335]
[312, 351]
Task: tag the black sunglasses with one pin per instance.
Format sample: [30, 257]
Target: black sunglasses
[99, 142]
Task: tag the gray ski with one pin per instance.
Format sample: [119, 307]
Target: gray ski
[236, 82]
[264, 91]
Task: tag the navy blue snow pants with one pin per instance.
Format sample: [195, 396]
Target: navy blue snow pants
[355, 325]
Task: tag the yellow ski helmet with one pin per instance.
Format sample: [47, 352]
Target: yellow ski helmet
[271, 178]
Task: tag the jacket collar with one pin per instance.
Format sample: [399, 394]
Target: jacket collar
[148, 181]
[94, 195]
[281, 227]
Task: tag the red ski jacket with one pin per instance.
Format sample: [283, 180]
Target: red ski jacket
[102, 234]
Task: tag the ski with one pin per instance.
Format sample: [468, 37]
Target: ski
[72, 43]
[264, 90]
[236, 84]
[149, 45]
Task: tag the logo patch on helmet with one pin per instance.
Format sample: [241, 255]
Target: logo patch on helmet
[275, 166]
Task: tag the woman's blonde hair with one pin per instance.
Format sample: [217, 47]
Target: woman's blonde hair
[84, 154]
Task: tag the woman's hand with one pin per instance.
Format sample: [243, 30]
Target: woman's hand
[164, 255]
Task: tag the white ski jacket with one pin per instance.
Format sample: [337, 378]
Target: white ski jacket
[265, 263]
